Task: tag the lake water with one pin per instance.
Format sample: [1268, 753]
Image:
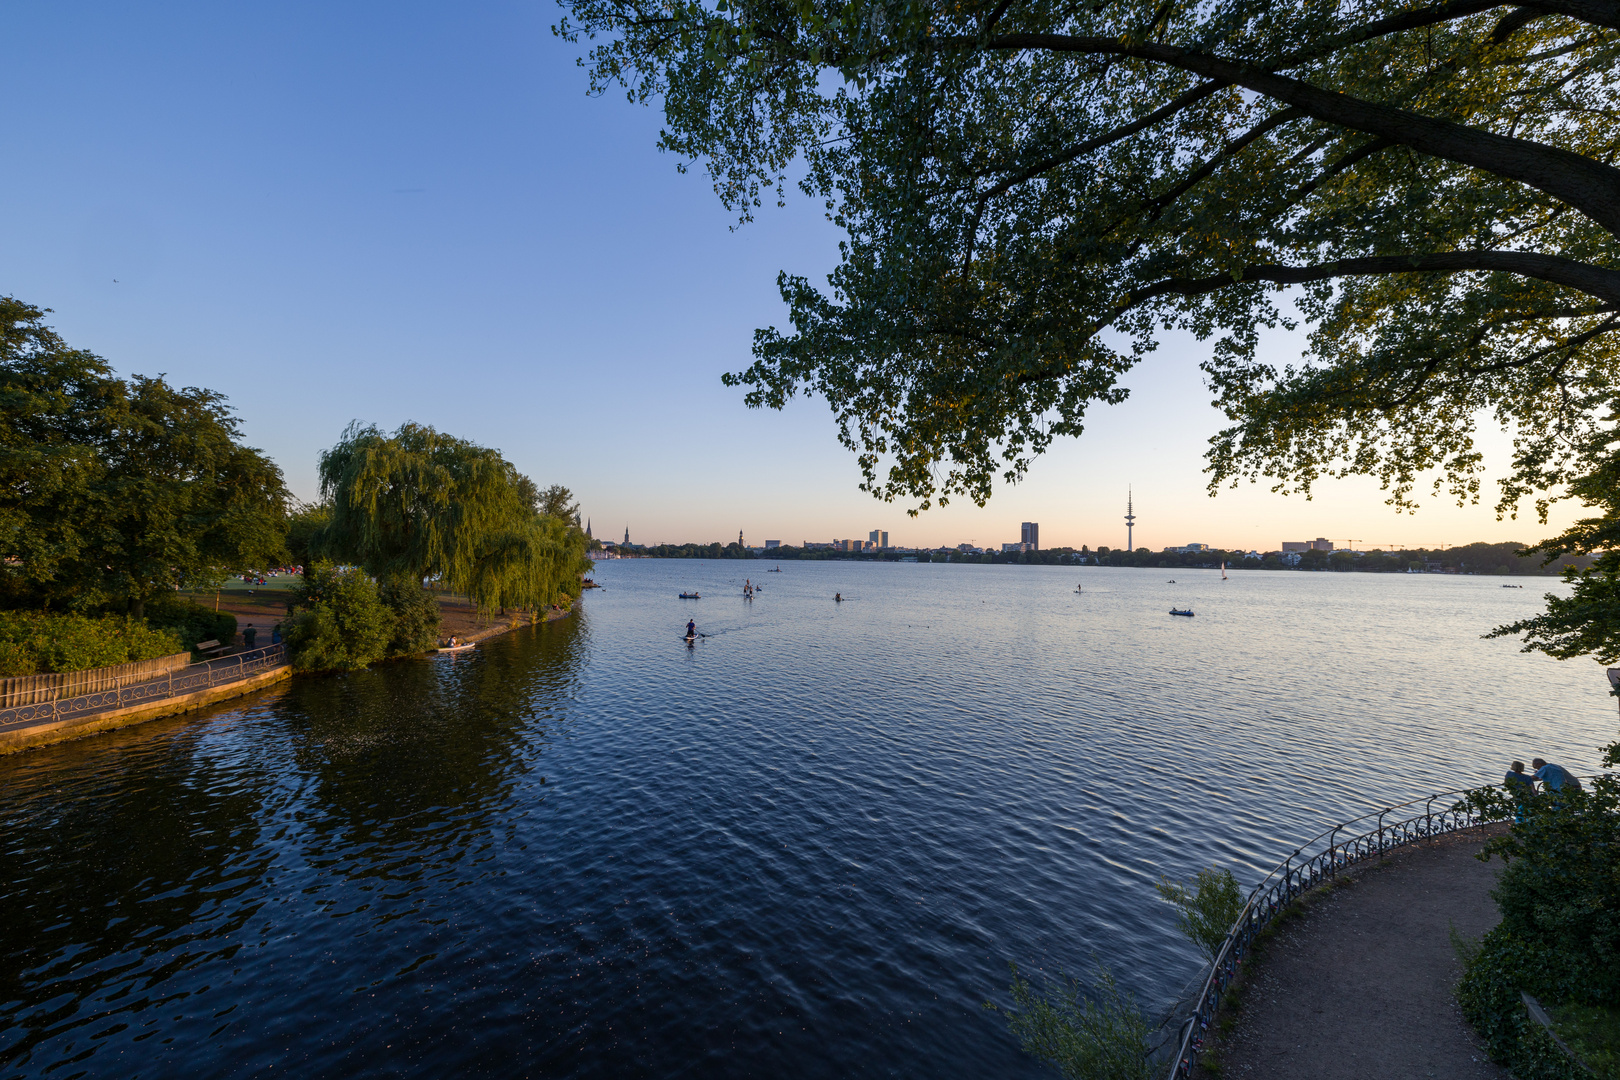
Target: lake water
[806, 847]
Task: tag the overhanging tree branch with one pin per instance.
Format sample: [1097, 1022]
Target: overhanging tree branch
[1589, 186]
[1124, 131]
[1595, 281]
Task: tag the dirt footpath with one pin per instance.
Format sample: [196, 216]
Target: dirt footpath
[1360, 985]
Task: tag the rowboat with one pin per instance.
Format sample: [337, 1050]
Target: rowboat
[690, 596]
[1187, 613]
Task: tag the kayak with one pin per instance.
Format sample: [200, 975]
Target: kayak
[459, 648]
[1187, 613]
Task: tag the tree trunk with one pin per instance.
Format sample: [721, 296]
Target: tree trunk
[137, 607]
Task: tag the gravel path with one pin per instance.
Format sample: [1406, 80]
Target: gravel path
[1360, 985]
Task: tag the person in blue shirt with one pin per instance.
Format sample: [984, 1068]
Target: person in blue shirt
[1554, 777]
[1517, 781]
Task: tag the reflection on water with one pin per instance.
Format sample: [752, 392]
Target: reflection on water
[807, 846]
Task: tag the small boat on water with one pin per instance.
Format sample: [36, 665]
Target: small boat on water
[1187, 613]
[778, 570]
[690, 596]
[458, 648]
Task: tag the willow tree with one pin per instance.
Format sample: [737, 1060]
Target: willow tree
[418, 504]
[531, 566]
[1033, 190]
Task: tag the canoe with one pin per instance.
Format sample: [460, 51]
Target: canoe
[1187, 613]
[690, 596]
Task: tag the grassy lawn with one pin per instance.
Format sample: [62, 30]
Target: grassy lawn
[1593, 1032]
[261, 606]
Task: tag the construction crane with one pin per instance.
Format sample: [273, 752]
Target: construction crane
[1336, 541]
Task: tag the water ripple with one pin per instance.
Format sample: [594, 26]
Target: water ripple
[806, 847]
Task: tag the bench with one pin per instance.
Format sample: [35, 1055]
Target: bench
[210, 646]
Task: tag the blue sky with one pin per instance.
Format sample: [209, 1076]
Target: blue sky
[414, 212]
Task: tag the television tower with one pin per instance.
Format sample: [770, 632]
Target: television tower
[1130, 521]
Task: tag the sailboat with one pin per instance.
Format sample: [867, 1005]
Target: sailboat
[1223, 571]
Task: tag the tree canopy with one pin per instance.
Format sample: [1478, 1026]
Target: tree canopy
[115, 491]
[1588, 620]
[418, 503]
[1033, 190]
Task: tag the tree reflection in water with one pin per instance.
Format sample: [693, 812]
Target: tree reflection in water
[145, 868]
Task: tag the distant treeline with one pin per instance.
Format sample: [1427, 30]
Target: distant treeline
[1476, 558]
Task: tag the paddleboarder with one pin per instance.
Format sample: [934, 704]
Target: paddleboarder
[691, 629]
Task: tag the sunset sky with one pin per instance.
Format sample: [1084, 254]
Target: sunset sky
[414, 212]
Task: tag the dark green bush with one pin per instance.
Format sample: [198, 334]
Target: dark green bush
[416, 617]
[1559, 938]
[191, 621]
[32, 643]
[1490, 998]
[338, 622]
[1560, 891]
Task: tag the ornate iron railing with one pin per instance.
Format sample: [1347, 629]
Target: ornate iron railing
[189, 680]
[1318, 860]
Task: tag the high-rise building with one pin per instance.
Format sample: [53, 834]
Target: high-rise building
[1030, 534]
[883, 538]
[1130, 520]
[769, 544]
[874, 536]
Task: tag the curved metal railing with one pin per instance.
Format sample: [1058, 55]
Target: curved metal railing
[189, 680]
[1314, 862]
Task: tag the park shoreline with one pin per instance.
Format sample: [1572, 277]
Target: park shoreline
[54, 732]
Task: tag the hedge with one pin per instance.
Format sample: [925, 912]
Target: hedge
[32, 643]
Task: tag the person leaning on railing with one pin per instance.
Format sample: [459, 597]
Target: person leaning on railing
[1520, 786]
[1554, 777]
